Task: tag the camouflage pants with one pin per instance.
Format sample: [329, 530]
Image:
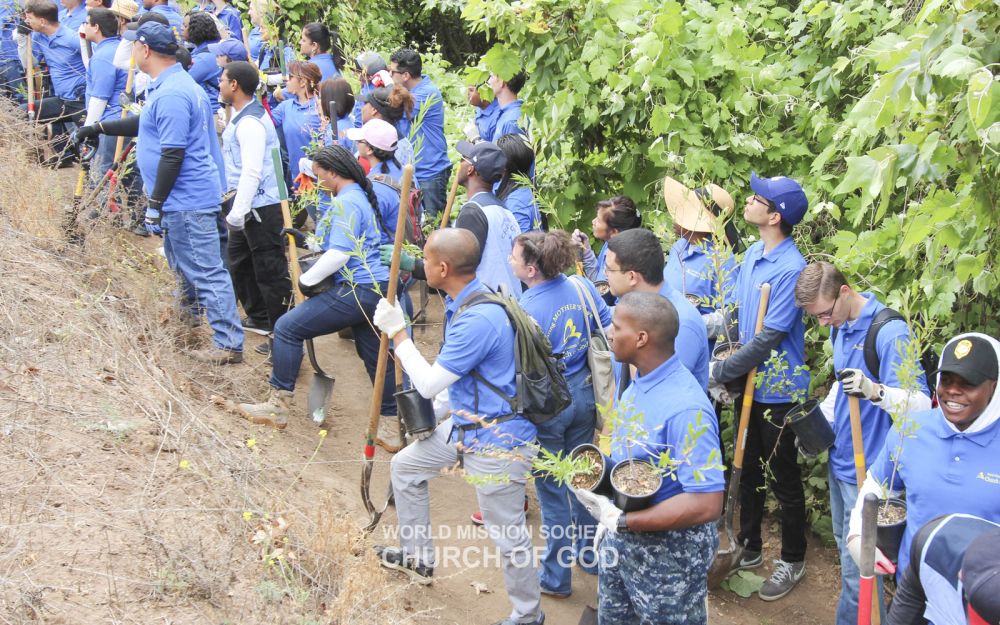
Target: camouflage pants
[659, 578]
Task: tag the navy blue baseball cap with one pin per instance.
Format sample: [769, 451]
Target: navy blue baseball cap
[158, 37]
[233, 48]
[787, 196]
[488, 159]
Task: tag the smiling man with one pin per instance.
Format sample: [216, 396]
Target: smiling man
[947, 460]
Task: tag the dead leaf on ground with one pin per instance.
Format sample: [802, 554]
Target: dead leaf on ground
[480, 588]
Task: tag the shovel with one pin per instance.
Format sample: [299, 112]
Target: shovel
[727, 560]
[375, 407]
[854, 406]
[866, 591]
[322, 384]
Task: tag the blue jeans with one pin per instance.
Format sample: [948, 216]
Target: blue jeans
[340, 307]
[103, 158]
[566, 525]
[842, 498]
[191, 245]
[435, 192]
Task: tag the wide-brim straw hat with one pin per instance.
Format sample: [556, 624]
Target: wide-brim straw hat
[125, 9]
[687, 207]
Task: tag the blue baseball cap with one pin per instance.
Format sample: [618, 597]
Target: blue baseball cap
[488, 159]
[233, 48]
[787, 196]
[158, 37]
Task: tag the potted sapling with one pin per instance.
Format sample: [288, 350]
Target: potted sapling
[634, 481]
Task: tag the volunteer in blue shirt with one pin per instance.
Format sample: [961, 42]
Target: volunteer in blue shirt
[319, 44]
[611, 217]
[59, 47]
[635, 263]
[163, 8]
[560, 306]
[777, 204]
[366, 66]
[72, 14]
[230, 18]
[433, 169]
[11, 72]
[376, 142]
[105, 82]
[508, 106]
[654, 562]
[946, 460]
[479, 338]
[513, 190]
[823, 292]
[177, 155]
[336, 98]
[297, 118]
[202, 32]
[343, 286]
[261, 44]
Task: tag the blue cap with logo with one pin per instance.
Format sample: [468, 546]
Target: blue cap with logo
[787, 196]
[158, 37]
[488, 159]
[233, 48]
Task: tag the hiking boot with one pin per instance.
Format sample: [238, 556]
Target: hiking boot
[394, 558]
[389, 437]
[257, 327]
[785, 577]
[216, 356]
[509, 621]
[273, 412]
[750, 560]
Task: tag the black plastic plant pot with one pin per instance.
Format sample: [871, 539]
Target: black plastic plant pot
[603, 485]
[888, 536]
[417, 413]
[811, 428]
[724, 349]
[628, 502]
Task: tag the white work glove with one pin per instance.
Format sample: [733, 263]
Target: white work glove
[717, 390]
[599, 507]
[854, 382]
[306, 166]
[883, 566]
[471, 131]
[580, 239]
[389, 318]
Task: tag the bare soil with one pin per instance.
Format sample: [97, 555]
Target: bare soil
[589, 480]
[636, 478]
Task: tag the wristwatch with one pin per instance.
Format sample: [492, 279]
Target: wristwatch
[622, 523]
[881, 394]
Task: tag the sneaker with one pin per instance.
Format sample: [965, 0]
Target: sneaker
[216, 356]
[140, 230]
[750, 560]
[477, 516]
[273, 411]
[249, 325]
[555, 594]
[785, 577]
[509, 621]
[264, 349]
[394, 558]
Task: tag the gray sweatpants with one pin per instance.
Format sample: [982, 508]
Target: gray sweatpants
[501, 500]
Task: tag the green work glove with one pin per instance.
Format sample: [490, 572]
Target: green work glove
[406, 262]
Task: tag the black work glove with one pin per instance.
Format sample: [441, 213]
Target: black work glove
[308, 291]
[23, 28]
[86, 134]
[300, 238]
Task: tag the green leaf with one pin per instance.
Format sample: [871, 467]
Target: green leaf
[743, 583]
[954, 62]
[979, 97]
[502, 61]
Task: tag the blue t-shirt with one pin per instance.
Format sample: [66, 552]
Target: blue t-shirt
[664, 411]
[177, 115]
[482, 339]
[62, 53]
[429, 143]
[691, 344]
[521, 202]
[299, 123]
[780, 267]
[366, 88]
[848, 353]
[348, 224]
[230, 17]
[104, 80]
[9, 12]
[343, 125]
[942, 471]
[326, 65]
[703, 270]
[486, 119]
[173, 16]
[73, 20]
[388, 207]
[602, 261]
[255, 42]
[507, 121]
[557, 308]
[206, 72]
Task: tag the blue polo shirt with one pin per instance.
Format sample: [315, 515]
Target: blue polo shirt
[326, 65]
[348, 224]
[780, 267]
[366, 88]
[848, 353]
[173, 16]
[704, 270]
[176, 115]
[230, 16]
[255, 42]
[344, 124]
[62, 53]
[691, 344]
[557, 308]
[73, 20]
[299, 123]
[673, 415]
[942, 471]
[482, 339]
[206, 72]
[508, 120]
[521, 202]
[602, 260]
[428, 139]
[486, 119]
[388, 207]
[104, 80]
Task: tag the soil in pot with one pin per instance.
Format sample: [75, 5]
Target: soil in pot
[725, 351]
[636, 479]
[890, 526]
[587, 481]
[890, 513]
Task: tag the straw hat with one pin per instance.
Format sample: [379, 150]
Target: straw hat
[125, 9]
[687, 208]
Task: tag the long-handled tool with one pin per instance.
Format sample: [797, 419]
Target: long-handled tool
[727, 560]
[322, 383]
[70, 224]
[446, 215]
[866, 594]
[375, 407]
[854, 406]
[120, 143]
[30, 75]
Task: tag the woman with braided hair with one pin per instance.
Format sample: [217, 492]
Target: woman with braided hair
[343, 286]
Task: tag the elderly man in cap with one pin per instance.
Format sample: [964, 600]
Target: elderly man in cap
[775, 206]
[177, 152]
[946, 459]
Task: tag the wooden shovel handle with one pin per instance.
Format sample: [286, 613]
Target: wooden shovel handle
[451, 201]
[741, 432]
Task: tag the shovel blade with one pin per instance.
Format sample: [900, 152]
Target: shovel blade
[319, 395]
[725, 564]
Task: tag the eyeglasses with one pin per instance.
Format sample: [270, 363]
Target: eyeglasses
[828, 314]
[610, 270]
[396, 71]
[766, 202]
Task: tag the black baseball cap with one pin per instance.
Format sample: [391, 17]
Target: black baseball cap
[158, 37]
[970, 357]
[488, 159]
[981, 578]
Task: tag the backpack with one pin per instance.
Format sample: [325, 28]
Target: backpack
[413, 233]
[928, 359]
[541, 391]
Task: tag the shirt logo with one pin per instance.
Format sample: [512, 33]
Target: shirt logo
[963, 348]
[570, 332]
[989, 478]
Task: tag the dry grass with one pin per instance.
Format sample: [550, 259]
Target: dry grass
[127, 495]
